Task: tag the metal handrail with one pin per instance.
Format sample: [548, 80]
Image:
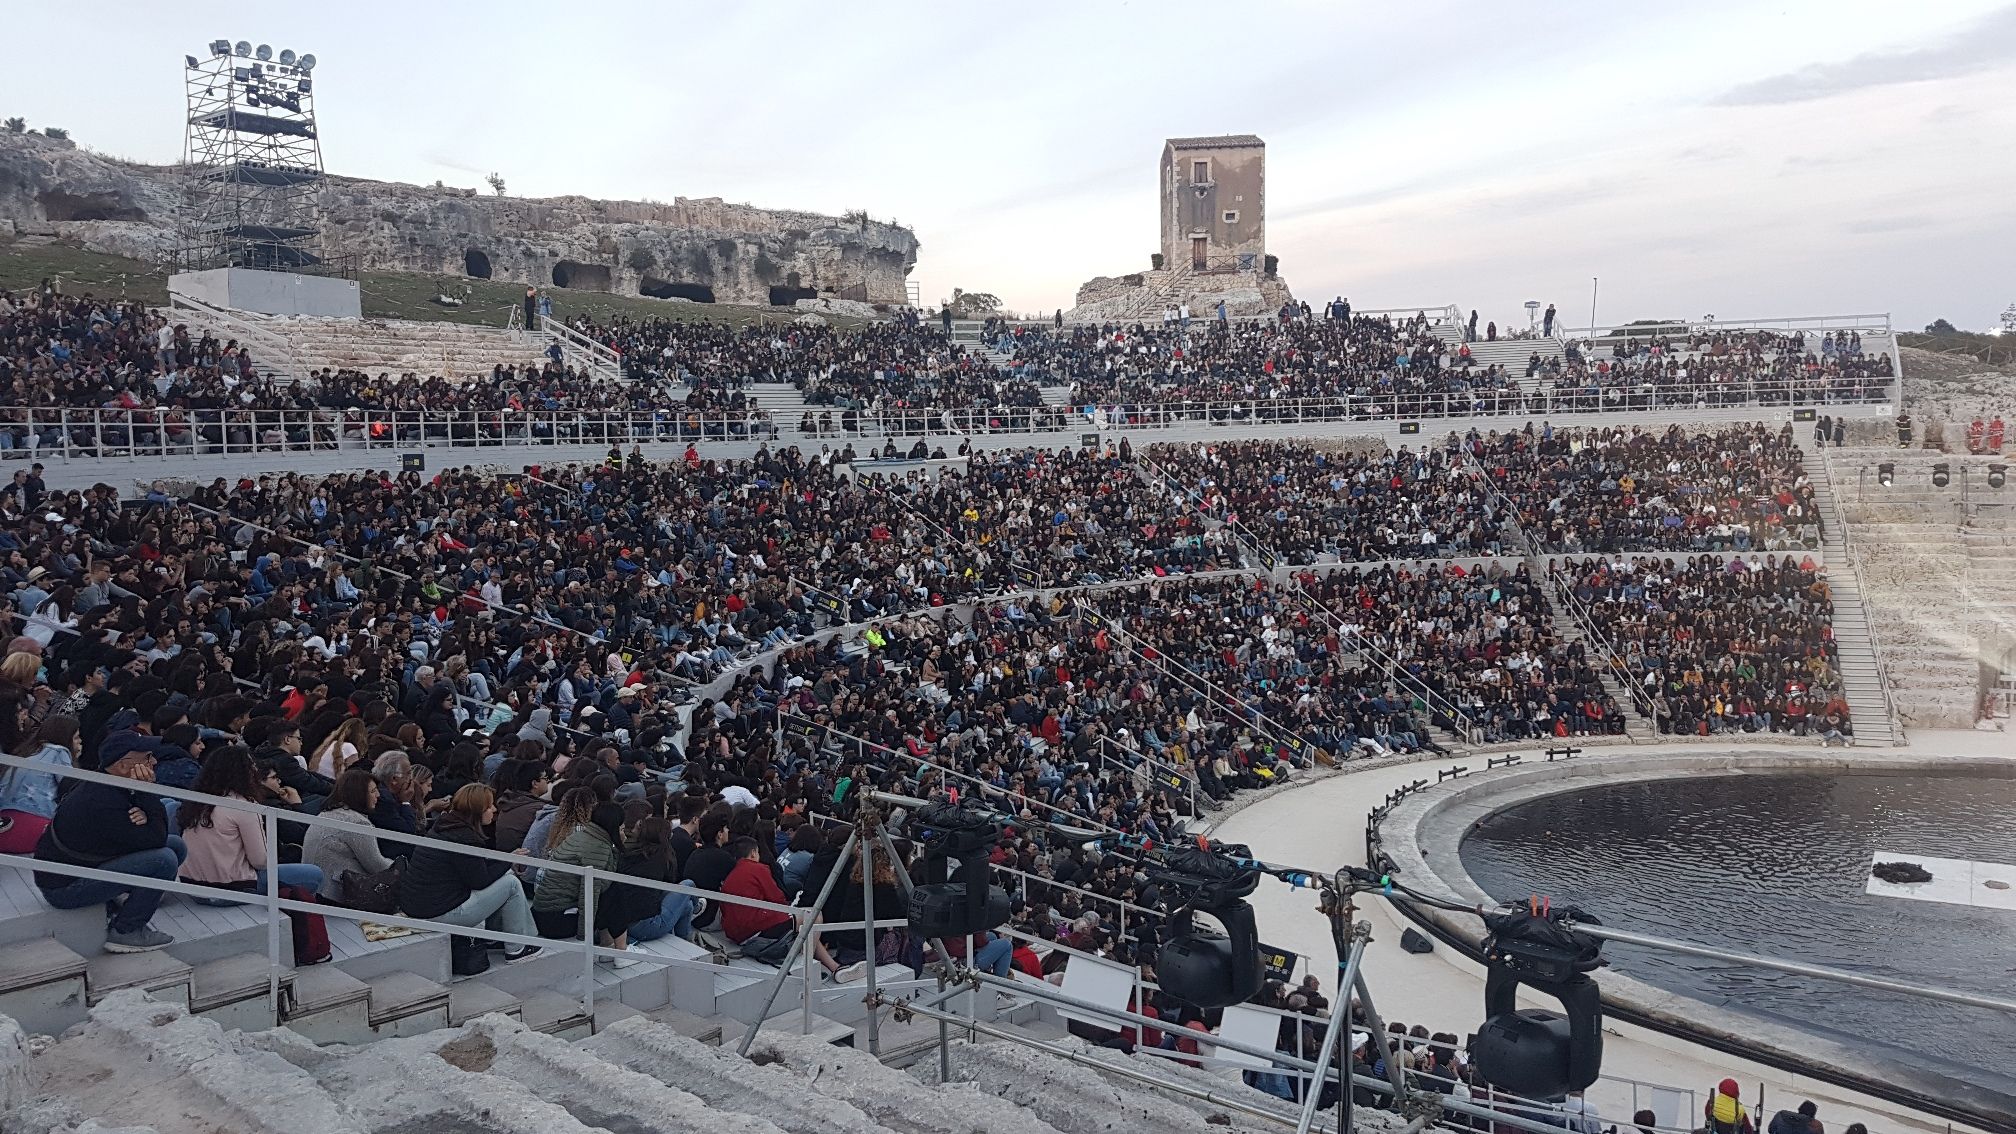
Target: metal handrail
[273, 903]
[1858, 568]
[1585, 621]
[272, 344]
[597, 356]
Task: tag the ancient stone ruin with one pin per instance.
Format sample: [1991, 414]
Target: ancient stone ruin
[704, 249]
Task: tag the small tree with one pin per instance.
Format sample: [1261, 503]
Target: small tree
[974, 304]
[496, 182]
[56, 132]
[1941, 327]
[17, 125]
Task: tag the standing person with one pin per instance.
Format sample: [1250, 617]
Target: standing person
[1470, 335]
[1840, 432]
[1060, 318]
[116, 829]
[945, 318]
[1547, 321]
[1183, 315]
[531, 308]
[1822, 429]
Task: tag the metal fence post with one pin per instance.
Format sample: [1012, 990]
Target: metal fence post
[588, 943]
[269, 830]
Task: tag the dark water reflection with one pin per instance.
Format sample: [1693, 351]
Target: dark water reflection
[1776, 864]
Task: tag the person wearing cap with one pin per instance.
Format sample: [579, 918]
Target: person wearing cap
[120, 830]
[1725, 1114]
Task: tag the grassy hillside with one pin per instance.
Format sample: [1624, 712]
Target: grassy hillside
[24, 264]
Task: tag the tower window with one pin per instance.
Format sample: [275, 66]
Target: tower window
[1231, 216]
[1200, 171]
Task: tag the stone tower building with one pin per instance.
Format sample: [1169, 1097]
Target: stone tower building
[1214, 203]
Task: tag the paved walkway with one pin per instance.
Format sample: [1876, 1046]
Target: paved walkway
[1323, 823]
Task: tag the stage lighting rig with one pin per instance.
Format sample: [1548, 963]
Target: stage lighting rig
[972, 904]
[1533, 1051]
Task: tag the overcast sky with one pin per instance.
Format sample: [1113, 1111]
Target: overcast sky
[1725, 157]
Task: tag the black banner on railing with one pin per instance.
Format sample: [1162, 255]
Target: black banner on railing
[1280, 962]
[1807, 413]
[1410, 427]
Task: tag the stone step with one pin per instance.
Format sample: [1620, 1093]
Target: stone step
[553, 1014]
[758, 1092]
[1064, 1095]
[469, 999]
[43, 984]
[404, 1004]
[159, 974]
[796, 1066]
[330, 1006]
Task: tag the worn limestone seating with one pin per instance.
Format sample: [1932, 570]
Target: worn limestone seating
[1938, 572]
[148, 1065]
[396, 346]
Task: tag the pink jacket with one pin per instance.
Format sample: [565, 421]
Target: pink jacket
[230, 849]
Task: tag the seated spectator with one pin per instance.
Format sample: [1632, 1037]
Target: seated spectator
[439, 884]
[334, 847]
[122, 830]
[768, 935]
[28, 797]
[228, 847]
[556, 902]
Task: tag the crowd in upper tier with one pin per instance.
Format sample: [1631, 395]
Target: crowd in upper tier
[148, 383]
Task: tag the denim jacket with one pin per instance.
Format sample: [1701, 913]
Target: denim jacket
[34, 792]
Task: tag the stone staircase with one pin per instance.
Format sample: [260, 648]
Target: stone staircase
[1510, 354]
[1941, 594]
[1638, 728]
[1862, 679]
[784, 402]
[149, 1066]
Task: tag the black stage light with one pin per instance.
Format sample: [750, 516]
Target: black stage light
[1942, 475]
[971, 904]
[1886, 473]
[1199, 967]
[1998, 475]
[1535, 1052]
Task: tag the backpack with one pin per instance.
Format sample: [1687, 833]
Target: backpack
[311, 932]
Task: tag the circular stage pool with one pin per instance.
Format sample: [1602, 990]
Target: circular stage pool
[1777, 864]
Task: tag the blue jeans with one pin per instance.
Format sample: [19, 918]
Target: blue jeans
[997, 957]
[674, 916]
[306, 875]
[140, 903]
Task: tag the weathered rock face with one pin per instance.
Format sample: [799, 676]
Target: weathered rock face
[704, 249]
[1143, 295]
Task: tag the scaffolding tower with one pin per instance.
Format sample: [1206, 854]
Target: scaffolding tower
[254, 161]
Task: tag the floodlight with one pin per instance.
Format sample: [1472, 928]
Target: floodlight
[220, 47]
[240, 74]
[304, 87]
[286, 57]
[307, 62]
[1886, 473]
[1199, 967]
[189, 59]
[1998, 475]
[972, 904]
[264, 53]
[1533, 1051]
[252, 98]
[244, 47]
[1942, 475]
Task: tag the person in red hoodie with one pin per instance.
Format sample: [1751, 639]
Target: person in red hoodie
[765, 935]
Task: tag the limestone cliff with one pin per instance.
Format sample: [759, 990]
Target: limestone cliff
[693, 248]
[1143, 295]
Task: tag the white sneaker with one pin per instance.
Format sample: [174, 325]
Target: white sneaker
[851, 973]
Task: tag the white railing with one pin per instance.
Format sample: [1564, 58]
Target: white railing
[1858, 569]
[1821, 324]
[581, 351]
[274, 905]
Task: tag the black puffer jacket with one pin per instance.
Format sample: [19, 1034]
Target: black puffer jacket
[437, 880]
